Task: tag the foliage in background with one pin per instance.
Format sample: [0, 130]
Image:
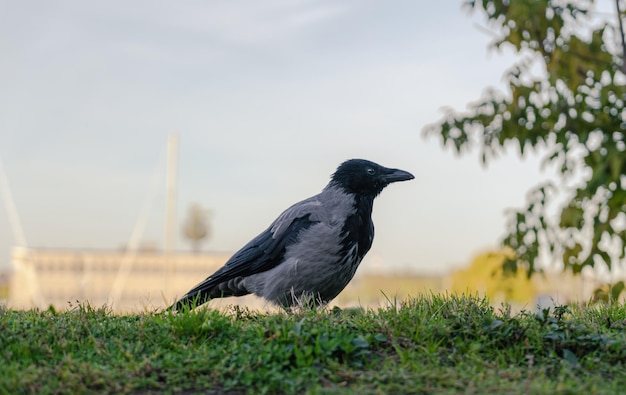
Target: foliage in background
[486, 276]
[436, 344]
[196, 227]
[565, 99]
[608, 293]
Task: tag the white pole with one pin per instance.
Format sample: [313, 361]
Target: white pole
[128, 259]
[14, 219]
[170, 185]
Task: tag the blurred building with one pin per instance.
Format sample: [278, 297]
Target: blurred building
[150, 280]
[125, 281]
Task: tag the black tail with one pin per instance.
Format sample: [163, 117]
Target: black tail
[208, 290]
[190, 301]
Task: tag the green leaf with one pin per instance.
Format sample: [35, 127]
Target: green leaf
[616, 290]
[570, 255]
[570, 357]
[379, 337]
[616, 164]
[571, 217]
[359, 342]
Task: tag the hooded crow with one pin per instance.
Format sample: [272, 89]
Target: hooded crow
[312, 250]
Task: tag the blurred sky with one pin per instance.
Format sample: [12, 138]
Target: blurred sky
[267, 99]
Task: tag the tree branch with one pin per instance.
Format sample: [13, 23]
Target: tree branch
[621, 32]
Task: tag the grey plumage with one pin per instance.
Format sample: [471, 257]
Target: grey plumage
[312, 249]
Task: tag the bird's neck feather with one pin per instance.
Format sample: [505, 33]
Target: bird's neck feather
[358, 227]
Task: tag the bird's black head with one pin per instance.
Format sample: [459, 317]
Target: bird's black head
[360, 176]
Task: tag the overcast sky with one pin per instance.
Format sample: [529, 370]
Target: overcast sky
[267, 99]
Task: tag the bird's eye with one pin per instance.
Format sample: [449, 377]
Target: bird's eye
[371, 171]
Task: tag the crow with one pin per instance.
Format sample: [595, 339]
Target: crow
[312, 250]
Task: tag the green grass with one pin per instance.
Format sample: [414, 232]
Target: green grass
[432, 344]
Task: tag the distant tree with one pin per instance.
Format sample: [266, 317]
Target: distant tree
[565, 99]
[196, 228]
[486, 276]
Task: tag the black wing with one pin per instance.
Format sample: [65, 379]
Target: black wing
[263, 253]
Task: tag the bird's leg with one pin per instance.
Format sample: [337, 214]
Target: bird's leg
[306, 301]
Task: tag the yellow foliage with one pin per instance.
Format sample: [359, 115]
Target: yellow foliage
[485, 276]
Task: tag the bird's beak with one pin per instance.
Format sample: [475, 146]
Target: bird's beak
[394, 175]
